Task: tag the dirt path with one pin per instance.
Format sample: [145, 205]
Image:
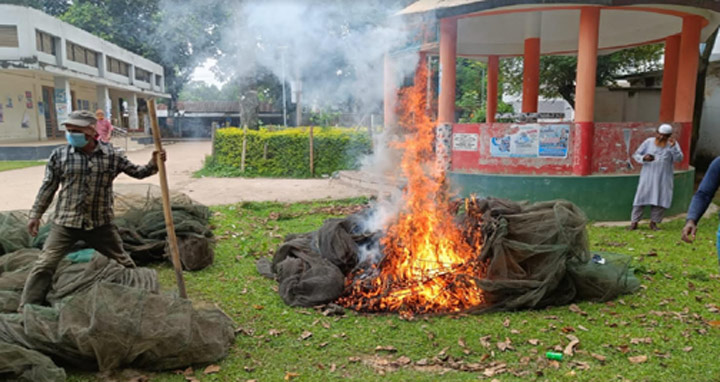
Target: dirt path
[20, 186]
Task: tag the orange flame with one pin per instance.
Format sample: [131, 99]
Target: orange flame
[430, 264]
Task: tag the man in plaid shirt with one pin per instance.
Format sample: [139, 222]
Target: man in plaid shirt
[86, 169]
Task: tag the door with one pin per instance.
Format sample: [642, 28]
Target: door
[51, 126]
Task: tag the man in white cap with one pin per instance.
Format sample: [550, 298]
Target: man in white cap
[655, 188]
[86, 169]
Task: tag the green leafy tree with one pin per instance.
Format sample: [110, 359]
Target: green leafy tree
[51, 7]
[471, 91]
[178, 35]
[558, 73]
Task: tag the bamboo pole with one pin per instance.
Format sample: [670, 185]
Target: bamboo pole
[312, 153]
[244, 149]
[162, 173]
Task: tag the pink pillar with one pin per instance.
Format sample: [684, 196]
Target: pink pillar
[687, 80]
[670, 74]
[492, 89]
[448, 53]
[585, 90]
[531, 75]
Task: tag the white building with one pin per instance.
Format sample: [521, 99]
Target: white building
[49, 68]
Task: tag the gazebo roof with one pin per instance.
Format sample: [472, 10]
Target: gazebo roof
[622, 23]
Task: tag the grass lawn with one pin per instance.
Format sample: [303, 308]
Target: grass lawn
[14, 165]
[665, 327]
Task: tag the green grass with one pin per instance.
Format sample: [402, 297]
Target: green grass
[14, 165]
[678, 281]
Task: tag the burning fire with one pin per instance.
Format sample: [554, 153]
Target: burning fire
[430, 263]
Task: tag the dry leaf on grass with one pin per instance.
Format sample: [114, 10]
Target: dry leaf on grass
[505, 345]
[211, 369]
[644, 340]
[576, 309]
[598, 357]
[404, 360]
[534, 341]
[289, 376]
[638, 359]
[390, 349]
[305, 335]
[461, 342]
[485, 341]
[495, 369]
[274, 332]
[570, 348]
[687, 349]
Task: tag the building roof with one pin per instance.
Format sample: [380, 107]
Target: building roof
[499, 27]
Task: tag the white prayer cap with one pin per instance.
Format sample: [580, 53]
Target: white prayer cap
[665, 129]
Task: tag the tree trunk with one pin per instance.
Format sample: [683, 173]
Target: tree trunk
[700, 93]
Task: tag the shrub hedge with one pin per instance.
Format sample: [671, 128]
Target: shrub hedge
[287, 153]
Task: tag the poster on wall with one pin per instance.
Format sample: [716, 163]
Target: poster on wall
[554, 141]
[465, 142]
[28, 99]
[41, 108]
[60, 96]
[520, 142]
[9, 103]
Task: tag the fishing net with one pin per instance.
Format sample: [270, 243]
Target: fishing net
[534, 255]
[102, 316]
[140, 218]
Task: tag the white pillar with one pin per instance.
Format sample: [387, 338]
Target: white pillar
[131, 74]
[102, 64]
[132, 112]
[63, 100]
[60, 51]
[104, 102]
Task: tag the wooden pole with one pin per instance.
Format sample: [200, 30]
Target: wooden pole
[312, 154]
[172, 239]
[244, 149]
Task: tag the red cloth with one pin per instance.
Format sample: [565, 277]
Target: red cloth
[104, 129]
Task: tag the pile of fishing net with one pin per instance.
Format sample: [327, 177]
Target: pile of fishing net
[140, 219]
[535, 255]
[100, 315]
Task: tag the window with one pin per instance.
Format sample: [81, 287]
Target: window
[44, 42]
[158, 80]
[142, 75]
[81, 54]
[118, 67]
[9, 36]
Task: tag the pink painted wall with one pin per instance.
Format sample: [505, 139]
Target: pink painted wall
[610, 153]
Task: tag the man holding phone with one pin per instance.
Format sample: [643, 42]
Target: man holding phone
[655, 187]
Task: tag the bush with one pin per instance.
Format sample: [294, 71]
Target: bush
[285, 153]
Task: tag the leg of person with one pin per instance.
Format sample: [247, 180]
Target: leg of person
[656, 216]
[59, 242]
[635, 217]
[107, 240]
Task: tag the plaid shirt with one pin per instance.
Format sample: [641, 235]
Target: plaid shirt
[86, 198]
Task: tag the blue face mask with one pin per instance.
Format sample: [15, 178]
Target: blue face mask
[76, 139]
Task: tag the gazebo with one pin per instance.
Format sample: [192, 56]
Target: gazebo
[582, 161]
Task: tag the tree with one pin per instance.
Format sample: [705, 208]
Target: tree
[51, 7]
[178, 35]
[470, 91]
[200, 91]
[558, 73]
